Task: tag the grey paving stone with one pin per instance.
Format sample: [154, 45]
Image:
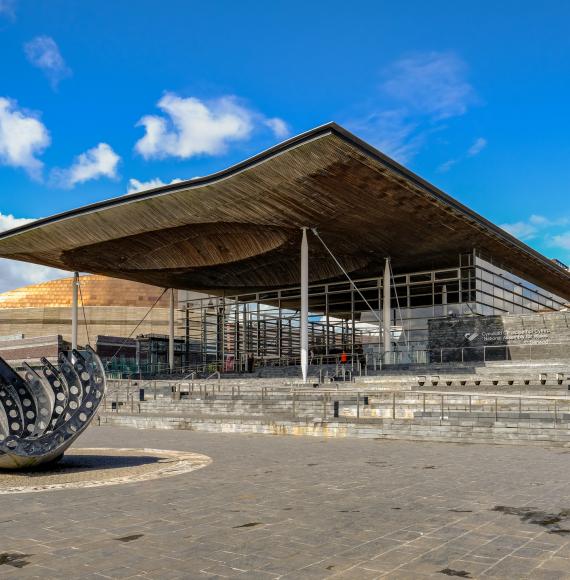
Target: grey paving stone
[312, 508]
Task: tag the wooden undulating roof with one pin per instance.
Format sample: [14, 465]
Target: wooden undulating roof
[239, 229]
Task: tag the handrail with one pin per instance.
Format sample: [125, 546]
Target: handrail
[438, 393]
[423, 356]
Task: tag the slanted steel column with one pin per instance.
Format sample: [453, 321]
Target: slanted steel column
[386, 310]
[444, 299]
[74, 309]
[171, 332]
[304, 305]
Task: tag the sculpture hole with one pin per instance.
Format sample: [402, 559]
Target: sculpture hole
[15, 426]
[30, 414]
[26, 402]
[13, 413]
[82, 417]
[73, 405]
[60, 396]
[74, 390]
[84, 376]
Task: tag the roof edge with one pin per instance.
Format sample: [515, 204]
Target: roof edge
[321, 130]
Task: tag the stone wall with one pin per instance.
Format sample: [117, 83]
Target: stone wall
[544, 336]
[31, 350]
[458, 430]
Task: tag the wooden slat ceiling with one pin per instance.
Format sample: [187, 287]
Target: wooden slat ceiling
[239, 230]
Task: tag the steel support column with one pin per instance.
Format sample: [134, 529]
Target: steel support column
[74, 309]
[171, 331]
[386, 310]
[304, 305]
[379, 321]
[327, 319]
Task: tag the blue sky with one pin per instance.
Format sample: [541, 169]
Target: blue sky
[99, 98]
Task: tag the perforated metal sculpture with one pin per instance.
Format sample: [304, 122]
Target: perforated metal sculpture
[43, 413]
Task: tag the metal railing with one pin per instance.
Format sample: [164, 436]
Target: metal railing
[475, 354]
[355, 405]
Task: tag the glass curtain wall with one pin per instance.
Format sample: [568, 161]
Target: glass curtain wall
[227, 332]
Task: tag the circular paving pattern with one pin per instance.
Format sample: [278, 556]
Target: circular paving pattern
[95, 467]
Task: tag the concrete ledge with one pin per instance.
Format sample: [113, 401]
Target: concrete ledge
[422, 430]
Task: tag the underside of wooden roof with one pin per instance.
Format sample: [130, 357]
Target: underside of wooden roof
[239, 229]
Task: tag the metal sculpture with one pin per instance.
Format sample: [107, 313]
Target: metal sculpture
[43, 413]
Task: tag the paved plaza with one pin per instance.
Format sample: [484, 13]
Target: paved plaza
[301, 507]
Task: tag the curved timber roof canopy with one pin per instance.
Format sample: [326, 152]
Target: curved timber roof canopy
[239, 229]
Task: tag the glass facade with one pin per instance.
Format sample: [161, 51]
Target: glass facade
[346, 316]
[500, 292]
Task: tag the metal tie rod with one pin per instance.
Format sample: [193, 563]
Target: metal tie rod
[314, 230]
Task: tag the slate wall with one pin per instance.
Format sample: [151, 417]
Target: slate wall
[543, 336]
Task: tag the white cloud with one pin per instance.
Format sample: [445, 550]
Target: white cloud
[391, 132]
[535, 225]
[22, 137]
[447, 165]
[136, 185]
[417, 94]
[540, 220]
[562, 241]
[478, 145]
[100, 161]
[8, 9]
[9, 222]
[278, 126]
[190, 127]
[193, 127]
[432, 83]
[14, 274]
[44, 54]
[522, 230]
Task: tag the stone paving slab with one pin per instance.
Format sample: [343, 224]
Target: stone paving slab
[295, 507]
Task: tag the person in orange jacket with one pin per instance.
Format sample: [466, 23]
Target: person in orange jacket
[343, 358]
